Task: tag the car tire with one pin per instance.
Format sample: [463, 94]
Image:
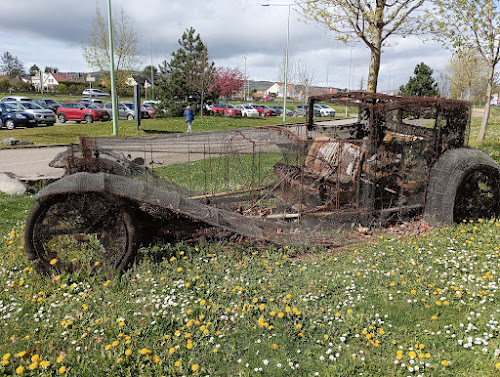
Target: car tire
[464, 184]
[61, 118]
[88, 118]
[109, 219]
[9, 123]
[130, 117]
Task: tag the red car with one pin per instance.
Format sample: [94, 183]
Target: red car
[79, 112]
[149, 109]
[267, 99]
[264, 111]
[225, 109]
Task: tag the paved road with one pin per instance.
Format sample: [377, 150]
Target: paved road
[32, 163]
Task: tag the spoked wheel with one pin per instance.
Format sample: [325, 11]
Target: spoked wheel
[80, 232]
[478, 196]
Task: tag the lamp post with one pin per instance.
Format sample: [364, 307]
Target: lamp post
[285, 89]
[112, 71]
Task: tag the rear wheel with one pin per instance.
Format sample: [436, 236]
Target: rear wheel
[61, 118]
[464, 184]
[88, 118]
[78, 232]
[130, 117]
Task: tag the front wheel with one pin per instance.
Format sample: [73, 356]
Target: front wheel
[61, 118]
[88, 118]
[82, 231]
[9, 123]
[130, 117]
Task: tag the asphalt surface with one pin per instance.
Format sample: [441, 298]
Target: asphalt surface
[32, 163]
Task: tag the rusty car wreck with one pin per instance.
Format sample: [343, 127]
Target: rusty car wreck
[399, 158]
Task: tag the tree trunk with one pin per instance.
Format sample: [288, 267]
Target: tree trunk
[486, 115]
[374, 62]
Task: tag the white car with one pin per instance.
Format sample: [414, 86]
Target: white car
[16, 99]
[94, 93]
[247, 110]
[325, 111]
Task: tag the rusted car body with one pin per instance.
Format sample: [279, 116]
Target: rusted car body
[399, 157]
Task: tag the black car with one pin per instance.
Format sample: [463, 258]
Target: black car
[47, 103]
[13, 115]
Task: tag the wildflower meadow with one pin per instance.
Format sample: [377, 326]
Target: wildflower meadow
[392, 306]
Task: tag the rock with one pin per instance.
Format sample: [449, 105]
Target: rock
[14, 141]
[9, 184]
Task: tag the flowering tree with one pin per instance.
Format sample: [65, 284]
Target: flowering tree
[228, 80]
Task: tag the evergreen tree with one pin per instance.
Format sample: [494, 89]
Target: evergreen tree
[421, 84]
[179, 80]
[34, 70]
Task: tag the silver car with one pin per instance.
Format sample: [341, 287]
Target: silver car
[123, 111]
[42, 115]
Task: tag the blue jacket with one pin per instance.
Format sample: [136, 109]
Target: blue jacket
[189, 114]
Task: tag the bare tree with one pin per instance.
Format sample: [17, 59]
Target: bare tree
[305, 78]
[472, 23]
[467, 73]
[371, 21]
[125, 45]
[10, 65]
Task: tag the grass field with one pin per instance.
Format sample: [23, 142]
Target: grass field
[391, 306]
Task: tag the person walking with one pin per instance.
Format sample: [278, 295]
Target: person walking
[189, 114]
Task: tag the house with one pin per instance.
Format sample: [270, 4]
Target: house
[322, 91]
[278, 88]
[50, 81]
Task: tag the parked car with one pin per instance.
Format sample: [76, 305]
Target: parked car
[302, 110]
[279, 111]
[42, 115]
[131, 105]
[225, 109]
[264, 110]
[94, 93]
[267, 99]
[126, 110]
[12, 115]
[15, 99]
[325, 110]
[247, 110]
[79, 112]
[47, 103]
[149, 109]
[96, 101]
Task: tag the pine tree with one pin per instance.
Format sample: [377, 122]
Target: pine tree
[422, 84]
[187, 76]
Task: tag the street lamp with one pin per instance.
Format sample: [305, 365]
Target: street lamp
[112, 71]
[285, 91]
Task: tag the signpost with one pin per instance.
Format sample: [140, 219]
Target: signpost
[90, 80]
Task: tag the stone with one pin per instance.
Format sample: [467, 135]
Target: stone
[14, 141]
[10, 185]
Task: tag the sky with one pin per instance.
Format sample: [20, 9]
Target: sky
[237, 33]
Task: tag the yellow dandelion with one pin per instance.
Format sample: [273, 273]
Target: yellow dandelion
[145, 351]
[53, 261]
[156, 359]
[177, 363]
[274, 346]
[128, 352]
[171, 350]
[445, 363]
[20, 370]
[60, 359]
[62, 369]
[195, 367]
[6, 356]
[108, 347]
[44, 364]
[33, 366]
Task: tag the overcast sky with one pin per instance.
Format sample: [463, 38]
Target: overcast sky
[50, 33]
